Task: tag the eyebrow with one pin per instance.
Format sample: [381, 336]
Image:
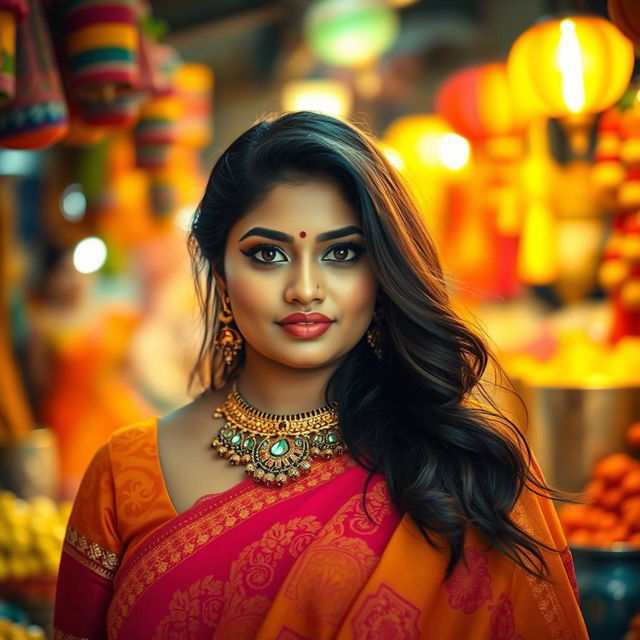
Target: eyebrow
[285, 237]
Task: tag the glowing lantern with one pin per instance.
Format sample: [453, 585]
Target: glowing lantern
[428, 142]
[433, 159]
[350, 33]
[480, 104]
[571, 67]
[327, 96]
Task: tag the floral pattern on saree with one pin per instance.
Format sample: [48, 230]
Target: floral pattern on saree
[501, 622]
[200, 526]
[324, 583]
[229, 606]
[469, 586]
[386, 614]
[331, 566]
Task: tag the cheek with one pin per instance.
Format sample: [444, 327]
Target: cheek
[250, 293]
[357, 295]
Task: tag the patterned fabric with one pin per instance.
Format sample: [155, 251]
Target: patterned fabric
[101, 39]
[309, 561]
[36, 116]
[11, 12]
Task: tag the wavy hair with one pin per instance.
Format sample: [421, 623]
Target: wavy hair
[422, 415]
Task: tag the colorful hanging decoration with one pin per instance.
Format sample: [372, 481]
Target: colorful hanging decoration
[350, 33]
[156, 131]
[11, 13]
[571, 68]
[36, 117]
[101, 48]
[101, 41]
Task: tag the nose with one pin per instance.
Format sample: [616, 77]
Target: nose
[305, 284]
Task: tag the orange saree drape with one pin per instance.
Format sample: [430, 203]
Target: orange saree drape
[301, 562]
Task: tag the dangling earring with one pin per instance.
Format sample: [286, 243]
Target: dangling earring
[374, 334]
[227, 338]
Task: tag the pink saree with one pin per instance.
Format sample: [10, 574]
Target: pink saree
[303, 562]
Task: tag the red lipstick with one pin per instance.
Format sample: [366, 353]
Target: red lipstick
[306, 325]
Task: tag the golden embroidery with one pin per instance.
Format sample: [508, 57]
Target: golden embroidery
[91, 554]
[181, 543]
[544, 594]
[62, 635]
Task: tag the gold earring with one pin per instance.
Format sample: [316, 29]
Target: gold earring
[374, 335]
[227, 338]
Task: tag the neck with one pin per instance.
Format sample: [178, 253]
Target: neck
[270, 386]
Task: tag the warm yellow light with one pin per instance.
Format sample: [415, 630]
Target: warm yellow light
[426, 142]
[427, 148]
[454, 151]
[393, 156]
[570, 65]
[561, 67]
[326, 96]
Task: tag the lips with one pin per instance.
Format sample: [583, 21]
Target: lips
[306, 325]
[305, 318]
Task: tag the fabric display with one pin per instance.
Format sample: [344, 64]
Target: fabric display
[11, 12]
[37, 115]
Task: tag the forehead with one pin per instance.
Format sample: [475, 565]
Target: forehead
[310, 206]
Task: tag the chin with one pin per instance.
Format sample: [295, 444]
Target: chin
[306, 361]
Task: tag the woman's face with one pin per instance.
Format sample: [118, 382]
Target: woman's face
[300, 250]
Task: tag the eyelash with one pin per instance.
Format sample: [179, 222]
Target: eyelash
[251, 253]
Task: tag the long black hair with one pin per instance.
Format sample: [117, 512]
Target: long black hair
[421, 415]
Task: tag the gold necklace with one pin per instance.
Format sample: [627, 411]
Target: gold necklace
[275, 448]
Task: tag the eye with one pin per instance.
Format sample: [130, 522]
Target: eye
[347, 252]
[265, 254]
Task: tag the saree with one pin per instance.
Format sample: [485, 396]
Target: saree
[312, 560]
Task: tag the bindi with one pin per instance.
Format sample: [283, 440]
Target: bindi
[303, 234]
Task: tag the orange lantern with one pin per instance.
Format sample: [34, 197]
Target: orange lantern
[625, 15]
[571, 68]
[480, 104]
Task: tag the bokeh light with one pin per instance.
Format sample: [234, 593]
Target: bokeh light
[89, 255]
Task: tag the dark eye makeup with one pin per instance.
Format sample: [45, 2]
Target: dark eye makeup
[266, 254]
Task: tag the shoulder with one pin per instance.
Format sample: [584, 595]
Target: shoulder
[135, 439]
[190, 422]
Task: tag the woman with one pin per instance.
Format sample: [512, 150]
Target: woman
[363, 490]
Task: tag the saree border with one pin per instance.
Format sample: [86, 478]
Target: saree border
[544, 594]
[203, 523]
[90, 554]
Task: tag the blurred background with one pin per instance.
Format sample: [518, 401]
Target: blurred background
[515, 124]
